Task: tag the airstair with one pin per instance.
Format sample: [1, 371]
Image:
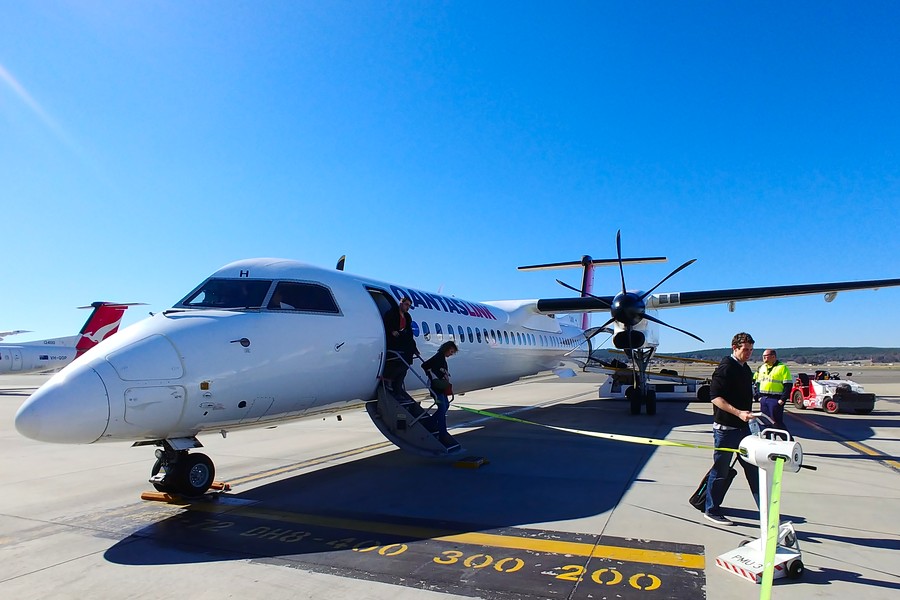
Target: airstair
[403, 421]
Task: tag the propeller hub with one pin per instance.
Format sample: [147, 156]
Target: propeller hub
[628, 308]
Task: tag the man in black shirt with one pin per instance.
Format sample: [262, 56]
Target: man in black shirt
[731, 391]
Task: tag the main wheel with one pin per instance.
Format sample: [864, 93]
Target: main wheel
[651, 402]
[634, 399]
[192, 475]
[797, 399]
[830, 405]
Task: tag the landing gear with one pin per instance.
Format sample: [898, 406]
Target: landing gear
[182, 473]
[641, 392]
[636, 398]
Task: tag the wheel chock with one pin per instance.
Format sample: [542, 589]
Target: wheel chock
[162, 497]
[471, 462]
[217, 488]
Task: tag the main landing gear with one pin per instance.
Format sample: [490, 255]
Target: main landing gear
[636, 398]
[180, 472]
[641, 393]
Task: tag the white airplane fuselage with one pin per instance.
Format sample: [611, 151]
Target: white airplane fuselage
[191, 370]
[33, 357]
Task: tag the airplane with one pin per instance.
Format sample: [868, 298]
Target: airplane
[44, 355]
[226, 357]
[6, 334]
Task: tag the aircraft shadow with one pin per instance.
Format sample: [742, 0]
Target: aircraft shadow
[544, 476]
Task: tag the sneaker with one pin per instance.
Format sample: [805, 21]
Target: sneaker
[718, 519]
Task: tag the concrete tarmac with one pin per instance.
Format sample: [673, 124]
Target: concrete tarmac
[329, 509]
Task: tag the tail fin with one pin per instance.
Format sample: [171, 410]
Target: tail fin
[103, 322]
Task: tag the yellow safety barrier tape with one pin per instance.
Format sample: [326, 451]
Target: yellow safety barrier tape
[631, 439]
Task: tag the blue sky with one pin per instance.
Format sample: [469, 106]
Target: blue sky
[442, 144]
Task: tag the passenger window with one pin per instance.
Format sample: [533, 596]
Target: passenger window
[438, 334]
[471, 339]
[462, 336]
[487, 339]
[426, 333]
[450, 332]
[478, 334]
[229, 293]
[505, 338]
[308, 297]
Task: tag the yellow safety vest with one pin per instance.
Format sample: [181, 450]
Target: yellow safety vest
[772, 380]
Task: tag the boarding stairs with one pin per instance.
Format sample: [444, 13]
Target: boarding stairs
[403, 421]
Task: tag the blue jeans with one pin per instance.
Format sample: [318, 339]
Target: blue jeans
[770, 406]
[716, 485]
[440, 415]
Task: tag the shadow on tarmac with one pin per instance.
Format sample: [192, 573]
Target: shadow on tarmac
[544, 476]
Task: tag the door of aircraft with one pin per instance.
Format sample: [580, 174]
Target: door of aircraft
[384, 302]
[16, 356]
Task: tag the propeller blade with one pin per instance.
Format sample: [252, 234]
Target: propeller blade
[687, 264]
[619, 256]
[588, 294]
[655, 320]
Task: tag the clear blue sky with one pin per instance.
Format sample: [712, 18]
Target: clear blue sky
[442, 144]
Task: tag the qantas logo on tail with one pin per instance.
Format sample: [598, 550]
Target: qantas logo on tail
[103, 322]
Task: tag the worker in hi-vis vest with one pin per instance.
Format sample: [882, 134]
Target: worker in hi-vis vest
[774, 381]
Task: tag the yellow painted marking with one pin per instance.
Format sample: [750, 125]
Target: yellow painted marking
[858, 446]
[656, 557]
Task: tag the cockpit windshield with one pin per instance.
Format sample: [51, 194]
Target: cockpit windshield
[229, 293]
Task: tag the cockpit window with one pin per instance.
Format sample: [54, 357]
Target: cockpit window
[229, 293]
[307, 297]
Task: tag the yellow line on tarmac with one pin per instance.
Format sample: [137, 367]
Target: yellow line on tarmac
[656, 557]
[858, 446]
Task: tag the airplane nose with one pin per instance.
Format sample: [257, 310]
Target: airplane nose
[71, 408]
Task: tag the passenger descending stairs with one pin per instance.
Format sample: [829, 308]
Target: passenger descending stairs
[405, 423]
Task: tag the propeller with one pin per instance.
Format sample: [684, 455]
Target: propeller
[630, 308]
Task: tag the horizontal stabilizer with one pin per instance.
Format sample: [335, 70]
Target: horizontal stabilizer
[597, 262]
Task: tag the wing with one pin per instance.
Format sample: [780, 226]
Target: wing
[4, 334]
[676, 299]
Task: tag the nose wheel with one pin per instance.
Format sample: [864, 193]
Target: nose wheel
[180, 472]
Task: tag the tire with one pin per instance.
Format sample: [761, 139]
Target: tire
[795, 569]
[830, 405]
[153, 472]
[634, 400]
[651, 402]
[193, 475]
[703, 393]
[797, 399]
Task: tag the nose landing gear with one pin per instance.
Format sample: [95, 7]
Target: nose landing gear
[176, 471]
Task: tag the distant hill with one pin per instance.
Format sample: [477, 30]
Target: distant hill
[807, 355]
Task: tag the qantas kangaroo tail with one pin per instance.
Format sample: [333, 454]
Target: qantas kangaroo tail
[102, 323]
